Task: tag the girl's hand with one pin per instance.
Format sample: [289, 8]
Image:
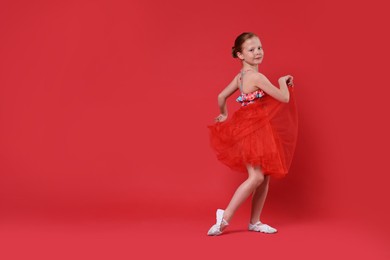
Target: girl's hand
[221, 118]
[288, 79]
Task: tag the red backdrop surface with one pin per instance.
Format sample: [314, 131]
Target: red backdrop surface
[104, 107]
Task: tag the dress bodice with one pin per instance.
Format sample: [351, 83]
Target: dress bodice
[248, 98]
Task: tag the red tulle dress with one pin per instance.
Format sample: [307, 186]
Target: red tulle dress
[263, 132]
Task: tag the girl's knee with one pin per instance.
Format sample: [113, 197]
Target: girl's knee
[257, 179]
[255, 175]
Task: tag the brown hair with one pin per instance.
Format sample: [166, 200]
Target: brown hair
[239, 41]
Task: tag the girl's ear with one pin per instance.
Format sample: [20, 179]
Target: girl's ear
[240, 56]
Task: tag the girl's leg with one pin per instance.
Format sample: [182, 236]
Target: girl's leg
[255, 179]
[258, 199]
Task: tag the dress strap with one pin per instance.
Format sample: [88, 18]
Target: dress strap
[242, 80]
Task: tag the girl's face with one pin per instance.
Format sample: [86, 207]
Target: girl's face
[252, 51]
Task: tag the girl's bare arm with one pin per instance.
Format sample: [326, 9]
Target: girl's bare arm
[282, 94]
[227, 92]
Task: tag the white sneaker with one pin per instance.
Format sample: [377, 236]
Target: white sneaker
[260, 227]
[215, 230]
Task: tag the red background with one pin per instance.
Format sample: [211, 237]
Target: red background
[103, 142]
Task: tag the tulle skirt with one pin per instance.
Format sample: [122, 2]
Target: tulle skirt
[262, 134]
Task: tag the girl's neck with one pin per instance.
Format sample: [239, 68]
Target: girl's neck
[246, 67]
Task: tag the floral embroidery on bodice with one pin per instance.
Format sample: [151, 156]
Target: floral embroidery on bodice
[249, 98]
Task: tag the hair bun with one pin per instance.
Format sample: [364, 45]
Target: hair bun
[234, 52]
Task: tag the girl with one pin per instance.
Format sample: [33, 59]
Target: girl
[260, 137]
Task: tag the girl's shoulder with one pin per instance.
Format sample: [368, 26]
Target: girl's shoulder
[237, 78]
[255, 75]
